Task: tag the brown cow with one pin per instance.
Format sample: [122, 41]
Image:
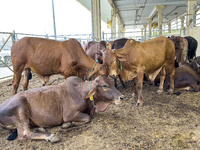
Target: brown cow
[94, 50]
[149, 57]
[181, 48]
[46, 57]
[69, 103]
[186, 76]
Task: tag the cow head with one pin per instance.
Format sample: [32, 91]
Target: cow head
[99, 56]
[181, 48]
[111, 61]
[104, 93]
[99, 69]
[195, 64]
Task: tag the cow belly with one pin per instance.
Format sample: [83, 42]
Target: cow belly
[47, 122]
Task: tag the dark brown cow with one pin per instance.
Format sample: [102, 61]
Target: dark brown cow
[46, 57]
[181, 48]
[149, 57]
[186, 76]
[94, 50]
[69, 103]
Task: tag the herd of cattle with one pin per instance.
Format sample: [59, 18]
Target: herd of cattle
[169, 61]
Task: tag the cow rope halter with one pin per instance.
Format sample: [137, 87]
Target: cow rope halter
[91, 97]
[92, 69]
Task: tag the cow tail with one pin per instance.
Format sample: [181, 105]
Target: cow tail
[13, 136]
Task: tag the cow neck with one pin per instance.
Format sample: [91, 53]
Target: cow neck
[88, 63]
[87, 89]
[120, 63]
[92, 69]
[91, 97]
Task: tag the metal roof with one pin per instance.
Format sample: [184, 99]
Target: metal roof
[134, 13]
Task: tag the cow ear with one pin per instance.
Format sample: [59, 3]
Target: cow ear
[91, 93]
[122, 58]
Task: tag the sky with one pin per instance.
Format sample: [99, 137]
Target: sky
[35, 17]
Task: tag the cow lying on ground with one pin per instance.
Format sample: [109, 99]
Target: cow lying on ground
[95, 49]
[72, 102]
[186, 76]
[46, 57]
[148, 57]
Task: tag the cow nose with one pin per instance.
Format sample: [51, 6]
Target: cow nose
[122, 97]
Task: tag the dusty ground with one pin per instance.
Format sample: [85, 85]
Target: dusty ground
[167, 122]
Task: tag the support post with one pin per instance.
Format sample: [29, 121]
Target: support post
[123, 32]
[182, 22]
[119, 29]
[160, 9]
[54, 22]
[150, 26]
[142, 33]
[190, 13]
[113, 24]
[169, 26]
[145, 31]
[96, 20]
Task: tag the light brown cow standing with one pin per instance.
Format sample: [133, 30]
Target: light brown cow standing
[149, 57]
[68, 103]
[46, 57]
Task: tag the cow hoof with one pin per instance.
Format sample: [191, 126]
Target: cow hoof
[170, 92]
[66, 125]
[139, 104]
[54, 139]
[159, 91]
[40, 130]
[134, 95]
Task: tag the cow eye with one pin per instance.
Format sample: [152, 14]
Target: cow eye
[105, 86]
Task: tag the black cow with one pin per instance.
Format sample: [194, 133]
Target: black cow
[192, 47]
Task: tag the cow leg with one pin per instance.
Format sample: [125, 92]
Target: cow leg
[16, 78]
[195, 87]
[172, 73]
[78, 119]
[115, 81]
[135, 92]
[25, 79]
[23, 125]
[162, 79]
[44, 79]
[140, 75]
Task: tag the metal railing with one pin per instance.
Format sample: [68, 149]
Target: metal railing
[9, 38]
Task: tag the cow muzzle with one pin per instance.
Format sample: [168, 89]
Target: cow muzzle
[119, 100]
